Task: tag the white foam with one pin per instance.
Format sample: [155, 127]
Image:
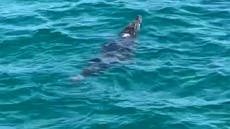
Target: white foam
[77, 78]
[125, 35]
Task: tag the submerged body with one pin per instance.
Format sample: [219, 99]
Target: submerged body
[114, 52]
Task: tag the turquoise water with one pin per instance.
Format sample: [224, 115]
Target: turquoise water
[179, 77]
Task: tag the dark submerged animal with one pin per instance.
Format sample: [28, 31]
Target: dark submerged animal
[114, 52]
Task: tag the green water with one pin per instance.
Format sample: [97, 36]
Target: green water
[179, 77]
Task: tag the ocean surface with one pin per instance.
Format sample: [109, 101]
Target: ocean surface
[179, 77]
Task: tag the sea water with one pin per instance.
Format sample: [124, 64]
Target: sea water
[178, 78]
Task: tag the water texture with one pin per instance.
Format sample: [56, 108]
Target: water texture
[179, 77]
